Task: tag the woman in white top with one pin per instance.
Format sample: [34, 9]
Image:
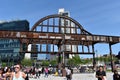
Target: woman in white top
[18, 74]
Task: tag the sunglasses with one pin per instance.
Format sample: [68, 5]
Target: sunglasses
[17, 67]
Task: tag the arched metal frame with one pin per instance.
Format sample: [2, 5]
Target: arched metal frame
[59, 24]
[59, 17]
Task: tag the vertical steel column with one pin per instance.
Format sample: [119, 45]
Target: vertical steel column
[59, 58]
[82, 47]
[112, 64]
[94, 62]
[59, 54]
[63, 53]
[88, 49]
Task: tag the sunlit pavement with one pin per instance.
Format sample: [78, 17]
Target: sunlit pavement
[81, 76]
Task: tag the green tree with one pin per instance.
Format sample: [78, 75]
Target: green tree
[77, 59]
[85, 61]
[71, 62]
[106, 59]
[53, 62]
[45, 63]
[27, 62]
[74, 61]
[3, 64]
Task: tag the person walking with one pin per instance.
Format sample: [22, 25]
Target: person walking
[37, 72]
[2, 76]
[8, 73]
[101, 74]
[46, 72]
[18, 74]
[116, 76]
[68, 73]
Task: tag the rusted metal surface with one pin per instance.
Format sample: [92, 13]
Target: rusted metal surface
[56, 39]
[36, 37]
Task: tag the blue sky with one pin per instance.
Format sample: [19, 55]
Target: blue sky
[96, 16]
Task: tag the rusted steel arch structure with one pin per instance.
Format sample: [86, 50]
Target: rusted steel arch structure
[60, 17]
[62, 32]
[65, 25]
[45, 22]
[87, 38]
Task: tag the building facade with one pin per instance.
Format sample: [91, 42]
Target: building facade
[10, 48]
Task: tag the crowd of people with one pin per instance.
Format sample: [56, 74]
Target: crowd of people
[18, 73]
[36, 72]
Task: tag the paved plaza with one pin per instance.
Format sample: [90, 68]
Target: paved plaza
[81, 76]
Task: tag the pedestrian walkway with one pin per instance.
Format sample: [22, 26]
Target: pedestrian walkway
[81, 76]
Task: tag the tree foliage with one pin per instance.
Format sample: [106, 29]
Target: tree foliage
[86, 61]
[71, 62]
[45, 63]
[27, 62]
[105, 59]
[74, 61]
[53, 62]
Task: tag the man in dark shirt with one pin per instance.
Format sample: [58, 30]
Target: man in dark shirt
[116, 76]
[100, 74]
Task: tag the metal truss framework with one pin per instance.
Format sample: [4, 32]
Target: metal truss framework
[33, 37]
[61, 30]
